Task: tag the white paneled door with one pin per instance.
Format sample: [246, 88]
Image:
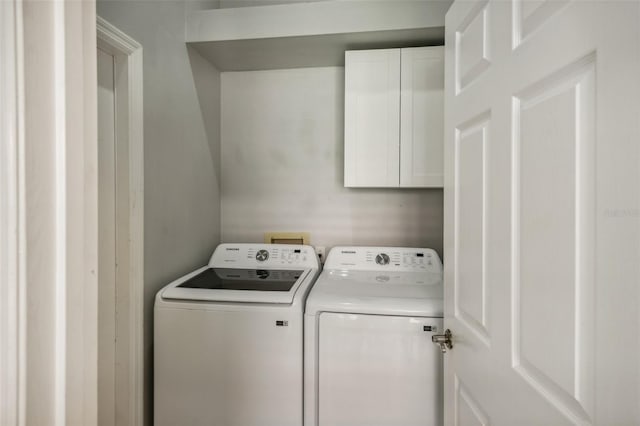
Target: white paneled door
[542, 213]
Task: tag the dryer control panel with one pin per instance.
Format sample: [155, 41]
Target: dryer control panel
[264, 256]
[384, 259]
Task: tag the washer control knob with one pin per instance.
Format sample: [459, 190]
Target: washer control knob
[262, 255]
[382, 259]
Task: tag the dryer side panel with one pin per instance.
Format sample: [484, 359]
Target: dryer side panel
[376, 370]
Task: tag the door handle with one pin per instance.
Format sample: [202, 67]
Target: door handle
[444, 340]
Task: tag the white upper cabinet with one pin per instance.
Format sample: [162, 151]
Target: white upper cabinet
[394, 117]
[372, 118]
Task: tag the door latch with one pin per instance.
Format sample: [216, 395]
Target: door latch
[444, 340]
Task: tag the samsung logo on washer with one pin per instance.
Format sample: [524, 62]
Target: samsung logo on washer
[232, 249]
[347, 252]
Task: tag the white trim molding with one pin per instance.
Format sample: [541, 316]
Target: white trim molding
[48, 213]
[12, 284]
[130, 285]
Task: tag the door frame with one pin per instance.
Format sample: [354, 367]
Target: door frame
[127, 54]
[12, 283]
[48, 213]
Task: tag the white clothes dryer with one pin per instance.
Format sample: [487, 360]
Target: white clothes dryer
[369, 358]
[228, 347]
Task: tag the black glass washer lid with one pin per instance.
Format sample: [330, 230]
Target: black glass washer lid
[244, 279]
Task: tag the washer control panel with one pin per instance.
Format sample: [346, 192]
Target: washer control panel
[263, 256]
[384, 259]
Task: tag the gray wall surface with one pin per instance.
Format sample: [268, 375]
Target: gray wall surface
[181, 150]
[282, 167]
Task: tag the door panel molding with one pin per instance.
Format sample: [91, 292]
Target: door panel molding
[473, 55]
[529, 16]
[464, 399]
[478, 322]
[575, 83]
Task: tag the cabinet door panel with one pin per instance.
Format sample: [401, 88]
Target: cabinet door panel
[372, 118]
[422, 117]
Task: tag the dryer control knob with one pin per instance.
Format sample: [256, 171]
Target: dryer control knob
[262, 255]
[382, 259]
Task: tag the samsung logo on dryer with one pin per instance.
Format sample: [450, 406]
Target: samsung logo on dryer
[348, 252]
[232, 249]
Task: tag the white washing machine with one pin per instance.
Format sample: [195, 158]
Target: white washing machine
[229, 339]
[369, 358]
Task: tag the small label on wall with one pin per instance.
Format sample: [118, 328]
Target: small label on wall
[429, 328]
[280, 323]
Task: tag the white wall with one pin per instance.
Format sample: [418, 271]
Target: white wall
[282, 167]
[181, 149]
